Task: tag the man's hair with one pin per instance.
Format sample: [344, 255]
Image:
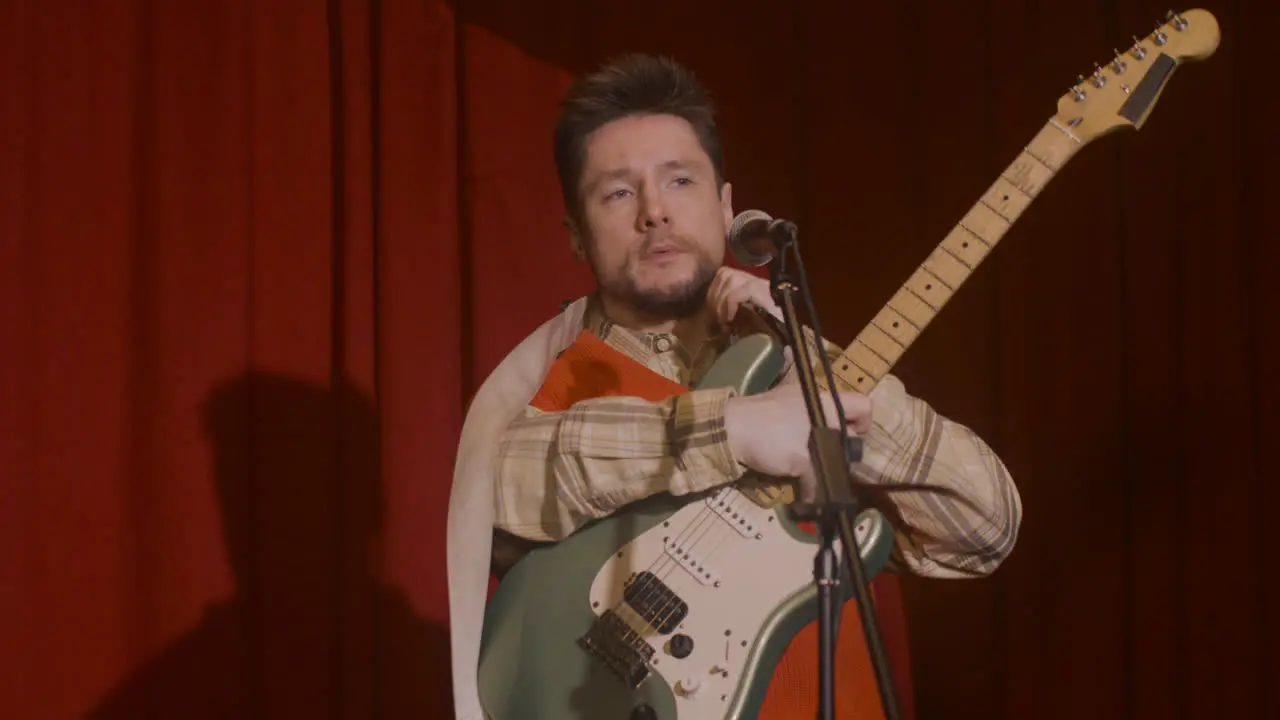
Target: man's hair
[632, 85]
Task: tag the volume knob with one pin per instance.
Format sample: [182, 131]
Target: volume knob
[680, 646]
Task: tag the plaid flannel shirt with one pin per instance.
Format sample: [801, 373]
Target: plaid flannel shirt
[955, 509]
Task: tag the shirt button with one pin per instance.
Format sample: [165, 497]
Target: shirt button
[663, 344]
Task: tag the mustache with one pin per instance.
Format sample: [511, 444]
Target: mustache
[680, 242]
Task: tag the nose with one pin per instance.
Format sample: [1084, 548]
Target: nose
[653, 211]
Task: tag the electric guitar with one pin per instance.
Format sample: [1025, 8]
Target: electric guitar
[679, 608]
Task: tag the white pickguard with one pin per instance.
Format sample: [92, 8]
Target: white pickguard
[733, 564]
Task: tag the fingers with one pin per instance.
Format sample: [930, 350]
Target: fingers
[856, 408]
[727, 306]
[727, 293]
[857, 411]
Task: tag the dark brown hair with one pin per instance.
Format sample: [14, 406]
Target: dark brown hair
[635, 84]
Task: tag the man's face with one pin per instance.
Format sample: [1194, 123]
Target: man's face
[653, 218]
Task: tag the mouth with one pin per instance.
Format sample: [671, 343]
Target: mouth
[662, 251]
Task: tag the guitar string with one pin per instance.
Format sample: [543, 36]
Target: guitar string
[664, 559]
[735, 497]
[698, 526]
[662, 567]
[737, 500]
[727, 531]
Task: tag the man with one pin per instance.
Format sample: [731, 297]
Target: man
[648, 208]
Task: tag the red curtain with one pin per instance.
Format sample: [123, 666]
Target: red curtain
[254, 257]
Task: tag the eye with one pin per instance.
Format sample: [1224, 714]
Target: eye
[617, 194]
[684, 181]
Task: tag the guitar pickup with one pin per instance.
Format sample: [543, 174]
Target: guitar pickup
[739, 511]
[686, 555]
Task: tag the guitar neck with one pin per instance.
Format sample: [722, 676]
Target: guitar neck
[886, 338]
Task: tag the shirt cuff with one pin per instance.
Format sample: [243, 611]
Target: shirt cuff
[703, 441]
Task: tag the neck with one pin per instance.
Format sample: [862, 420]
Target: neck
[692, 331]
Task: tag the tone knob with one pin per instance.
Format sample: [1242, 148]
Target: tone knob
[690, 686]
[644, 712]
[680, 646]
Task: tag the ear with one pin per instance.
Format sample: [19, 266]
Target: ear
[726, 204]
[575, 240]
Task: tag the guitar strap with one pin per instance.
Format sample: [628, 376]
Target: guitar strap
[591, 368]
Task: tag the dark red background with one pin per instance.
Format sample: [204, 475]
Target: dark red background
[254, 257]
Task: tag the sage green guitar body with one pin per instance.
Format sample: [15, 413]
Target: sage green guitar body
[703, 638]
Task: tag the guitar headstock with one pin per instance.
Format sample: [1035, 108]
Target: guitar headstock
[1123, 92]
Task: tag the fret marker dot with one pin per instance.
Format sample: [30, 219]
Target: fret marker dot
[929, 286]
[964, 244]
[895, 324]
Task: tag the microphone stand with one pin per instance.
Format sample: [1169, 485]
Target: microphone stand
[833, 452]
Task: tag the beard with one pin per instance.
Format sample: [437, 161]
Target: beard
[675, 301]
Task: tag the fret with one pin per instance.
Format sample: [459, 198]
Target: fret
[944, 266]
[961, 244]
[886, 338]
[864, 357]
[911, 308]
[983, 222]
[892, 323]
[852, 376]
[1006, 198]
[930, 289]
[1027, 175]
[882, 344]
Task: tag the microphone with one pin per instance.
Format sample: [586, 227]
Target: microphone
[756, 238]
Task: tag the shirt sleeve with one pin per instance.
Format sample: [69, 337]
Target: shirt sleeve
[557, 471]
[954, 506]
[958, 510]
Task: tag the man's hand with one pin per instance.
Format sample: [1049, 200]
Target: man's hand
[769, 432]
[732, 288]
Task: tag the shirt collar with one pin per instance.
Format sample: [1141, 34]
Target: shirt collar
[597, 321]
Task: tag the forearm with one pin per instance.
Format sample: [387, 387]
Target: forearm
[557, 471]
[955, 508]
[958, 509]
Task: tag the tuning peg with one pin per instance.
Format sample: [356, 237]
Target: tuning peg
[1098, 78]
[1179, 23]
[1076, 92]
[1137, 51]
[1158, 35]
[1118, 65]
